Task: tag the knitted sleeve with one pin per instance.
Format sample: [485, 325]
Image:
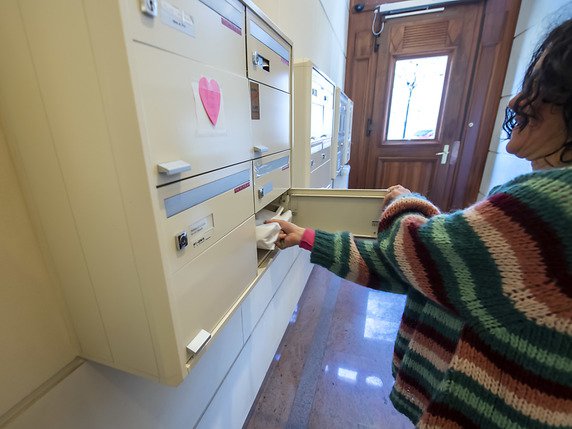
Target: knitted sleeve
[474, 262]
[364, 261]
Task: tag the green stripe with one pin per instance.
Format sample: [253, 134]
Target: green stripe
[390, 282]
[386, 251]
[422, 370]
[404, 406]
[394, 276]
[344, 254]
[445, 323]
[401, 343]
[366, 249]
[336, 264]
[324, 244]
[415, 303]
[387, 241]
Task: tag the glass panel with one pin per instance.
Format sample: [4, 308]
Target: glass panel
[416, 98]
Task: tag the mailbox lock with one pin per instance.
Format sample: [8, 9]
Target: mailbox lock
[149, 7]
[261, 193]
[182, 240]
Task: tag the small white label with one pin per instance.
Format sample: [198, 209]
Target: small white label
[201, 225]
[177, 18]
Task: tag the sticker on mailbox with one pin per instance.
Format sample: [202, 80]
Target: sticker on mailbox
[177, 19]
[201, 225]
[242, 187]
[231, 25]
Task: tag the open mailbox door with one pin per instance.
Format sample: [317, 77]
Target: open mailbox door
[354, 210]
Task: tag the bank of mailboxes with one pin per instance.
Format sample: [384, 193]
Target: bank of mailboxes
[313, 126]
[171, 128]
[148, 163]
[210, 214]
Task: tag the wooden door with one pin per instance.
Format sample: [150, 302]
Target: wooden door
[423, 74]
[476, 36]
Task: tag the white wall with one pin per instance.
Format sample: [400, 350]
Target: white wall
[34, 338]
[318, 29]
[535, 19]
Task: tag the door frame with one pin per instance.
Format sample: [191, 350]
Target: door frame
[493, 52]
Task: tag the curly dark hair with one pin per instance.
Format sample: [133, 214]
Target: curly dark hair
[549, 81]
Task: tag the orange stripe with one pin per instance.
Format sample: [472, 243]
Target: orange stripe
[429, 349]
[429, 421]
[359, 272]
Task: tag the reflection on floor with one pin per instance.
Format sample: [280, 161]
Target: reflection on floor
[333, 366]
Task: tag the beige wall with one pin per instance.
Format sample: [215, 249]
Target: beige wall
[318, 29]
[33, 334]
[535, 19]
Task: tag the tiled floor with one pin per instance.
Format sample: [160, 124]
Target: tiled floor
[333, 366]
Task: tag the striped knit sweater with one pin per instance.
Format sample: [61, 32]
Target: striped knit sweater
[486, 336]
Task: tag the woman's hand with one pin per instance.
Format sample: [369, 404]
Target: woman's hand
[290, 234]
[393, 192]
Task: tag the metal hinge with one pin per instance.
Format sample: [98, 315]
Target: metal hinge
[369, 127]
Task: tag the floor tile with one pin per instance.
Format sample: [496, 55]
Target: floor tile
[333, 366]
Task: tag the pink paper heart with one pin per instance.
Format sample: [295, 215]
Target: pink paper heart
[210, 97]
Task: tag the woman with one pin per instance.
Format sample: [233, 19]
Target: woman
[486, 335]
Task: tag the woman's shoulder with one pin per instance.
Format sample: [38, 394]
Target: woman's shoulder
[554, 180]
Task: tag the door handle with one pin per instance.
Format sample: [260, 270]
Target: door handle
[444, 154]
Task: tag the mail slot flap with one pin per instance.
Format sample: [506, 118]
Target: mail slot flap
[268, 56]
[201, 210]
[208, 31]
[207, 290]
[354, 210]
[193, 113]
[270, 115]
[271, 178]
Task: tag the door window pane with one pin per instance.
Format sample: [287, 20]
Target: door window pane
[416, 98]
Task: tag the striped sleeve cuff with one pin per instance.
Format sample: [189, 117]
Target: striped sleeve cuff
[323, 249]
